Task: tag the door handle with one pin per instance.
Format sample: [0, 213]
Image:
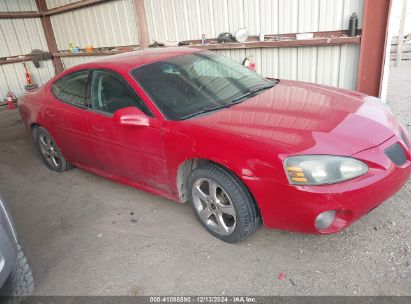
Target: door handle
[97, 128]
[50, 113]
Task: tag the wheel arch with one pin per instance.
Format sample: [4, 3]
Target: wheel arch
[185, 169]
[33, 127]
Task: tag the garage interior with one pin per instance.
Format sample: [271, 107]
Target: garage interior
[85, 235]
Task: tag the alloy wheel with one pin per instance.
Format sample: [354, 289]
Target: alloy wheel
[49, 151]
[214, 206]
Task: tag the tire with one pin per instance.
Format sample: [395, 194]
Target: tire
[20, 284]
[49, 152]
[230, 214]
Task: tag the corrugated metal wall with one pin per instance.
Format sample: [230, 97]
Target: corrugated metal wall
[73, 61]
[113, 23]
[20, 37]
[189, 19]
[331, 65]
[56, 3]
[18, 6]
[335, 66]
[109, 24]
[12, 76]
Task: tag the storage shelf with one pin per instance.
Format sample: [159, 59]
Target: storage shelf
[94, 53]
[284, 43]
[15, 60]
[330, 38]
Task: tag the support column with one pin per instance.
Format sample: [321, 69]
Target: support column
[49, 34]
[374, 37]
[143, 36]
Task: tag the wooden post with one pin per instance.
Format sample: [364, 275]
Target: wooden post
[143, 36]
[401, 34]
[49, 34]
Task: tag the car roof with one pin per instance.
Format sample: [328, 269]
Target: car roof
[138, 58]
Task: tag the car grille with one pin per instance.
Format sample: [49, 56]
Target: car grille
[404, 138]
[397, 154]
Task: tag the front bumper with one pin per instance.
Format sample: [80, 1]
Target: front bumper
[295, 208]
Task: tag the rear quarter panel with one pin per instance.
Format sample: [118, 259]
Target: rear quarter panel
[30, 106]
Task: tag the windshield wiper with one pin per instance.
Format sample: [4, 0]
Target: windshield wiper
[233, 102]
[206, 110]
[252, 92]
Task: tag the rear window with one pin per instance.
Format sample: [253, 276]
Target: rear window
[72, 88]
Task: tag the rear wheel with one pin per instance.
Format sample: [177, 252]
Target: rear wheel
[223, 205]
[49, 151]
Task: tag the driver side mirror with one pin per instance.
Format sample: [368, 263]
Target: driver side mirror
[131, 116]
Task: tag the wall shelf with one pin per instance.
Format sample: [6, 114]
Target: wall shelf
[94, 53]
[330, 38]
[15, 59]
[316, 41]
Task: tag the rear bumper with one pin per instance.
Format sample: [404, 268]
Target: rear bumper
[295, 208]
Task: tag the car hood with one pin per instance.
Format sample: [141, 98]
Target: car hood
[306, 118]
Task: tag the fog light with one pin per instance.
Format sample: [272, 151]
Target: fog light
[324, 220]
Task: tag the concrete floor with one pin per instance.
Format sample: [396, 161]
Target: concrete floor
[85, 235]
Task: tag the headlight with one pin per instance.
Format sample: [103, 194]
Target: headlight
[322, 169]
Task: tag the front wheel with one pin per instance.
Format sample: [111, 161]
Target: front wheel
[223, 205]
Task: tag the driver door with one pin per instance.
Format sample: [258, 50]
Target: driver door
[134, 153]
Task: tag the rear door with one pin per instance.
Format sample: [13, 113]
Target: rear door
[66, 114]
[134, 153]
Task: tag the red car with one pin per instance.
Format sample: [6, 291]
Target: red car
[194, 126]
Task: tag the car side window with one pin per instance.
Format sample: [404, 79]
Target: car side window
[109, 93]
[72, 88]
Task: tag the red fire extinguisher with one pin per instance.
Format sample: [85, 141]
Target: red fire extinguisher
[10, 100]
[249, 63]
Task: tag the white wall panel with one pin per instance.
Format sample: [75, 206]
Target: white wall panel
[331, 65]
[108, 24]
[308, 8]
[21, 36]
[73, 61]
[288, 16]
[189, 19]
[350, 56]
[56, 3]
[12, 76]
[17, 5]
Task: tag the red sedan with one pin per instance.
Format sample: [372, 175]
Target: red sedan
[194, 126]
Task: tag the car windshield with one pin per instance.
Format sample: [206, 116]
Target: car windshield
[188, 85]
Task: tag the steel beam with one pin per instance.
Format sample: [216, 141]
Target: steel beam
[143, 36]
[49, 34]
[372, 54]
